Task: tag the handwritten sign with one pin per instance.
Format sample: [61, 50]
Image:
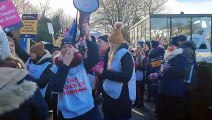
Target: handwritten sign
[30, 24]
[9, 17]
[30, 27]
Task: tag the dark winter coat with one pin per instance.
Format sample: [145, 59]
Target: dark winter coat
[190, 55]
[123, 105]
[21, 100]
[172, 81]
[155, 58]
[58, 80]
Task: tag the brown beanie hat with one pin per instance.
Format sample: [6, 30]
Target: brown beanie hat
[38, 49]
[116, 36]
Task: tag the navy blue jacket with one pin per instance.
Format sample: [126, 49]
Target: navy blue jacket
[172, 81]
[58, 80]
[155, 58]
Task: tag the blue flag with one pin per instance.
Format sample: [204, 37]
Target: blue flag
[72, 30]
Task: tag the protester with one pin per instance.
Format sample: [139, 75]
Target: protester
[147, 48]
[131, 50]
[12, 47]
[71, 81]
[20, 98]
[140, 43]
[38, 62]
[55, 53]
[16, 49]
[139, 77]
[38, 66]
[191, 79]
[155, 58]
[119, 84]
[171, 87]
[103, 44]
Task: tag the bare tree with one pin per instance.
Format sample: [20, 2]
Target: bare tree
[127, 11]
[21, 5]
[24, 7]
[44, 9]
[65, 20]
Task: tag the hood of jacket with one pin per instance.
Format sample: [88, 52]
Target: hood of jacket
[189, 44]
[13, 94]
[11, 76]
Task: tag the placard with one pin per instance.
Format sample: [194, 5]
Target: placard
[9, 17]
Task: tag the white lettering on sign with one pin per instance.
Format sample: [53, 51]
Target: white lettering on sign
[3, 7]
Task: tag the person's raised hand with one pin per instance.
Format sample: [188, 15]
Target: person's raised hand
[68, 57]
[87, 31]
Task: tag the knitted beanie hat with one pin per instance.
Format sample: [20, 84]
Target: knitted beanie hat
[116, 36]
[104, 38]
[175, 41]
[38, 49]
[4, 46]
[154, 43]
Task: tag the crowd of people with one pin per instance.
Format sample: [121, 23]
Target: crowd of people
[169, 76]
[73, 82]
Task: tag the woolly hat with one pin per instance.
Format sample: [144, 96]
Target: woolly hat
[182, 38]
[154, 43]
[4, 46]
[141, 43]
[116, 36]
[148, 44]
[104, 38]
[175, 41]
[38, 49]
[67, 40]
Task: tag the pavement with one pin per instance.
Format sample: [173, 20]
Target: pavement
[137, 113]
[144, 113]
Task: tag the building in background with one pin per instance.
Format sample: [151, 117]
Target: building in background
[196, 27]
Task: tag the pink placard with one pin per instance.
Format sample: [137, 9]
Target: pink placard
[9, 17]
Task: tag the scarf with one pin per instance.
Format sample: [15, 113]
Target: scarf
[75, 62]
[169, 55]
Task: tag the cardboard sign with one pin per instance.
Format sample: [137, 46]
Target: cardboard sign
[30, 24]
[50, 28]
[9, 17]
[30, 27]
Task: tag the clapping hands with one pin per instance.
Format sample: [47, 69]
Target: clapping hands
[69, 56]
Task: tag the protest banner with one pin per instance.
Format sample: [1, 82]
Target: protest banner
[9, 17]
[30, 24]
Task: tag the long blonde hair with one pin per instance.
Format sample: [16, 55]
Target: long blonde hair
[113, 49]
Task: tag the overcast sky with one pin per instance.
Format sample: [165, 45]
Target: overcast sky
[173, 6]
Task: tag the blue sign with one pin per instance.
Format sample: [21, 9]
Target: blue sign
[23, 43]
[29, 16]
[27, 36]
